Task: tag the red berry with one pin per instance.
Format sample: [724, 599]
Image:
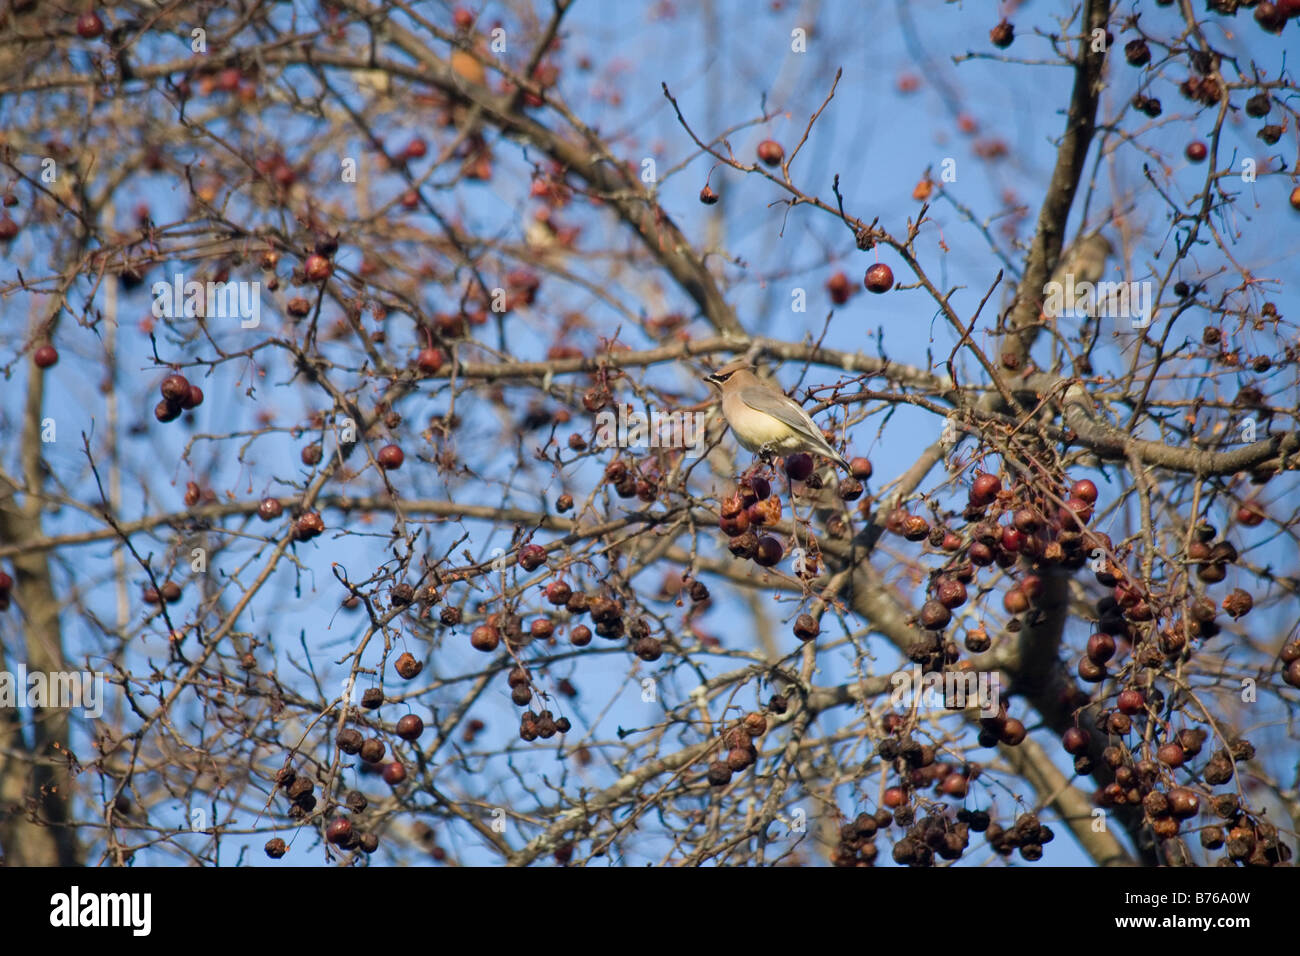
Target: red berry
[1013, 732]
[339, 831]
[410, 727]
[1250, 514]
[1171, 755]
[485, 638]
[89, 25]
[1084, 489]
[879, 278]
[8, 228]
[1075, 741]
[984, 489]
[390, 457]
[1184, 803]
[175, 388]
[1130, 702]
[394, 773]
[430, 360]
[1101, 648]
[531, 557]
[45, 356]
[416, 148]
[1270, 17]
[894, 797]
[1075, 509]
[770, 152]
[1197, 151]
[193, 398]
[839, 288]
[708, 196]
[317, 268]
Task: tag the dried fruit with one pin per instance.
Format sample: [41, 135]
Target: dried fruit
[407, 666]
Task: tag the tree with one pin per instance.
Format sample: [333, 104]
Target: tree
[357, 454]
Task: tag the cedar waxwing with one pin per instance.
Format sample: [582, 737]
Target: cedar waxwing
[763, 419]
[1084, 261]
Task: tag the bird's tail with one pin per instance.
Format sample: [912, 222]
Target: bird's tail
[835, 456]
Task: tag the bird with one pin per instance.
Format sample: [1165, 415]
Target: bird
[1084, 261]
[763, 418]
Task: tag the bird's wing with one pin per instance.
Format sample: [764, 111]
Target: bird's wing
[790, 412]
[780, 407]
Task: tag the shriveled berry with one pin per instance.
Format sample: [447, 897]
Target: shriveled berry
[935, 615]
[648, 648]
[806, 627]
[531, 557]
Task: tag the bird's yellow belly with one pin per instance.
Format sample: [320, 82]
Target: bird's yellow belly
[765, 432]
